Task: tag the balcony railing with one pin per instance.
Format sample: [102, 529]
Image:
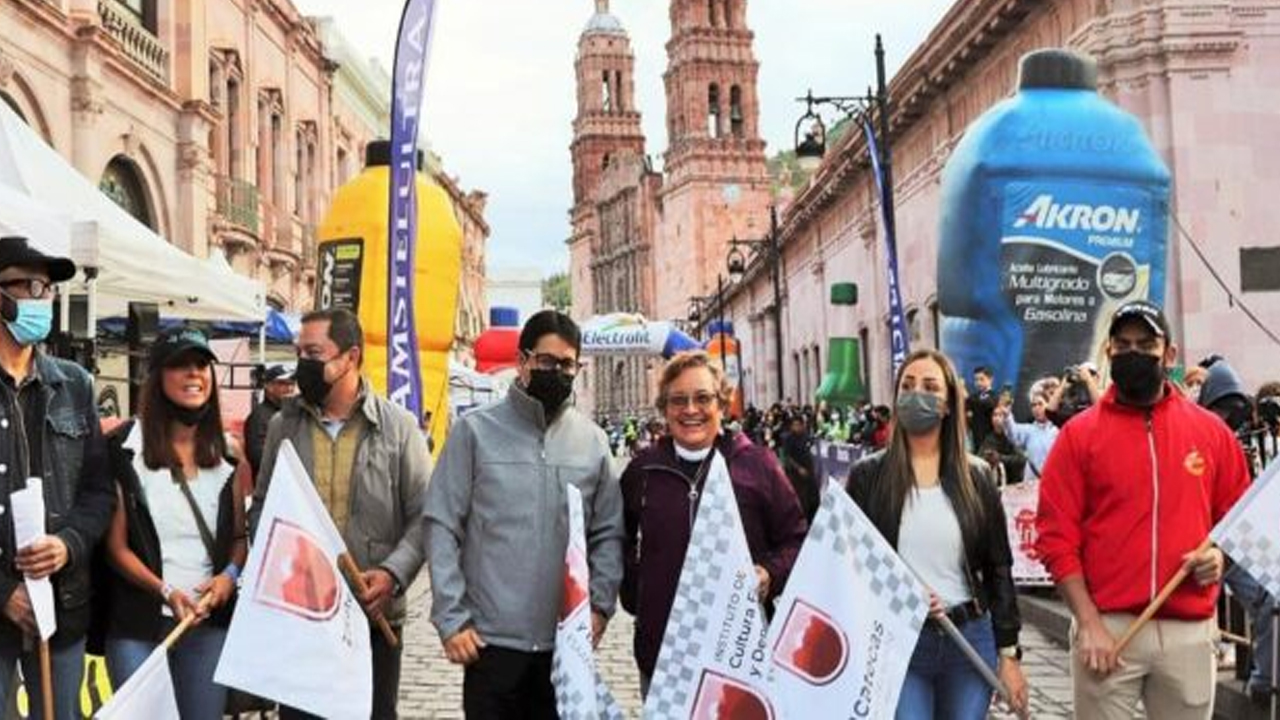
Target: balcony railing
[238, 203]
[139, 43]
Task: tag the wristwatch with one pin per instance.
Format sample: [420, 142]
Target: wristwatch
[1013, 652]
[166, 590]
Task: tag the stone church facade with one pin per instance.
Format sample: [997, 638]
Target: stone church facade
[646, 241]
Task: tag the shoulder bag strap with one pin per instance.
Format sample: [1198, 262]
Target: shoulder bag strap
[205, 536]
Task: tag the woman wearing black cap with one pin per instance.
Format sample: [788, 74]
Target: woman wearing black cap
[177, 540]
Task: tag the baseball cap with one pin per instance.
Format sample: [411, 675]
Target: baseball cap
[17, 251]
[1148, 313]
[173, 342]
[277, 371]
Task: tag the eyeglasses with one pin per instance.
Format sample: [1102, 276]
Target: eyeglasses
[31, 288]
[547, 361]
[702, 400]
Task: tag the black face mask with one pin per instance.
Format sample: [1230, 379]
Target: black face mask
[190, 417]
[551, 388]
[309, 375]
[1138, 376]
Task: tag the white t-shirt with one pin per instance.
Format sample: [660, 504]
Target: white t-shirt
[185, 563]
[930, 541]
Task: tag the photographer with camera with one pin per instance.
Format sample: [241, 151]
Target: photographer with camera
[1077, 391]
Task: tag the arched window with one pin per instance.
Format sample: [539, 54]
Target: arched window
[713, 111]
[712, 9]
[727, 13]
[617, 90]
[735, 111]
[606, 93]
[122, 182]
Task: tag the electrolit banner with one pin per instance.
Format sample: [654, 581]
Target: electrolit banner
[1070, 254]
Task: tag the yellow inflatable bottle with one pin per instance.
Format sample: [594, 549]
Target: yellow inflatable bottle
[352, 273]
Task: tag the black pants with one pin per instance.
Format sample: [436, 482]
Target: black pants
[386, 679]
[509, 685]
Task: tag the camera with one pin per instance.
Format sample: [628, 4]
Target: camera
[1269, 413]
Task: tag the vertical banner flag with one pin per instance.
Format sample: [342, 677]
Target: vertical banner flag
[713, 663]
[847, 621]
[147, 694]
[580, 691]
[298, 635]
[1250, 532]
[28, 526]
[899, 340]
[413, 46]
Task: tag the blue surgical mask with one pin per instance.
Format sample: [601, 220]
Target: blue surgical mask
[32, 322]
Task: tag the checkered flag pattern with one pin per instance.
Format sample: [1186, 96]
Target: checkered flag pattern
[710, 556]
[1250, 533]
[843, 525]
[573, 703]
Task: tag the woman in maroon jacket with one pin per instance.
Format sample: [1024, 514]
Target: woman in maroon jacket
[661, 488]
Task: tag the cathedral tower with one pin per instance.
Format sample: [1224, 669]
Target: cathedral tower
[717, 183]
[606, 129]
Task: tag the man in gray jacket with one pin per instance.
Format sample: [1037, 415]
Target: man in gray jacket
[497, 527]
[370, 466]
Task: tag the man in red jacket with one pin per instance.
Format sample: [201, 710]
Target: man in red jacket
[1131, 488]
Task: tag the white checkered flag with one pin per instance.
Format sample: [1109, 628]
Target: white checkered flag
[580, 691]
[848, 620]
[713, 661]
[1250, 532]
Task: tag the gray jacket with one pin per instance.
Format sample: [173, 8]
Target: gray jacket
[497, 524]
[392, 465]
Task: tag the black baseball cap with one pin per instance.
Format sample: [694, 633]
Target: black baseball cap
[17, 251]
[277, 371]
[1148, 313]
[174, 342]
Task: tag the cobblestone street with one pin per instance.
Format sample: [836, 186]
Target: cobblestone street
[432, 688]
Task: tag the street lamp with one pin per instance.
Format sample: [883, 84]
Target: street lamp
[769, 250]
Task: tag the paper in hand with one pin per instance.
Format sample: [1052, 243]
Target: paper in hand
[28, 527]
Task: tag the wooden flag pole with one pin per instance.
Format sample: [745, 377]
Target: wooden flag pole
[1159, 600]
[46, 680]
[177, 632]
[356, 578]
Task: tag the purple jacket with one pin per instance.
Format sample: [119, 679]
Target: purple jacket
[656, 509]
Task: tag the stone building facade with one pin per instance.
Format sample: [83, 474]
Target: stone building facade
[224, 126]
[646, 241]
[1203, 78]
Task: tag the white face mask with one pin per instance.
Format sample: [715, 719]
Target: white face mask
[692, 455]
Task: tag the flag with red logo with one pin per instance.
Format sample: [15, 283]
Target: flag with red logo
[847, 621]
[298, 636]
[1250, 532]
[713, 663]
[580, 691]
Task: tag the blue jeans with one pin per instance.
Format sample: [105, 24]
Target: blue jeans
[940, 681]
[192, 661]
[68, 674]
[1259, 605]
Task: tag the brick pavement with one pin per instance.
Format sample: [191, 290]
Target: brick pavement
[431, 688]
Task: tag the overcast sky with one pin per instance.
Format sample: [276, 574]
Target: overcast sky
[500, 91]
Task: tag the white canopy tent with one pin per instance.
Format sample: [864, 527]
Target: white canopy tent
[133, 263]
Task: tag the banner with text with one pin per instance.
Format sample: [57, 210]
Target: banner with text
[713, 662]
[413, 48]
[847, 622]
[899, 342]
[580, 691]
[1021, 502]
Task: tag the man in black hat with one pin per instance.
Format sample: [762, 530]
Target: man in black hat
[1131, 488]
[48, 430]
[277, 386]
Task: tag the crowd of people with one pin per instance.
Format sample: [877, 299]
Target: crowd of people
[149, 525]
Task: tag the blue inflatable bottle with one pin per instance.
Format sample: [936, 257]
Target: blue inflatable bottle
[1054, 212]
